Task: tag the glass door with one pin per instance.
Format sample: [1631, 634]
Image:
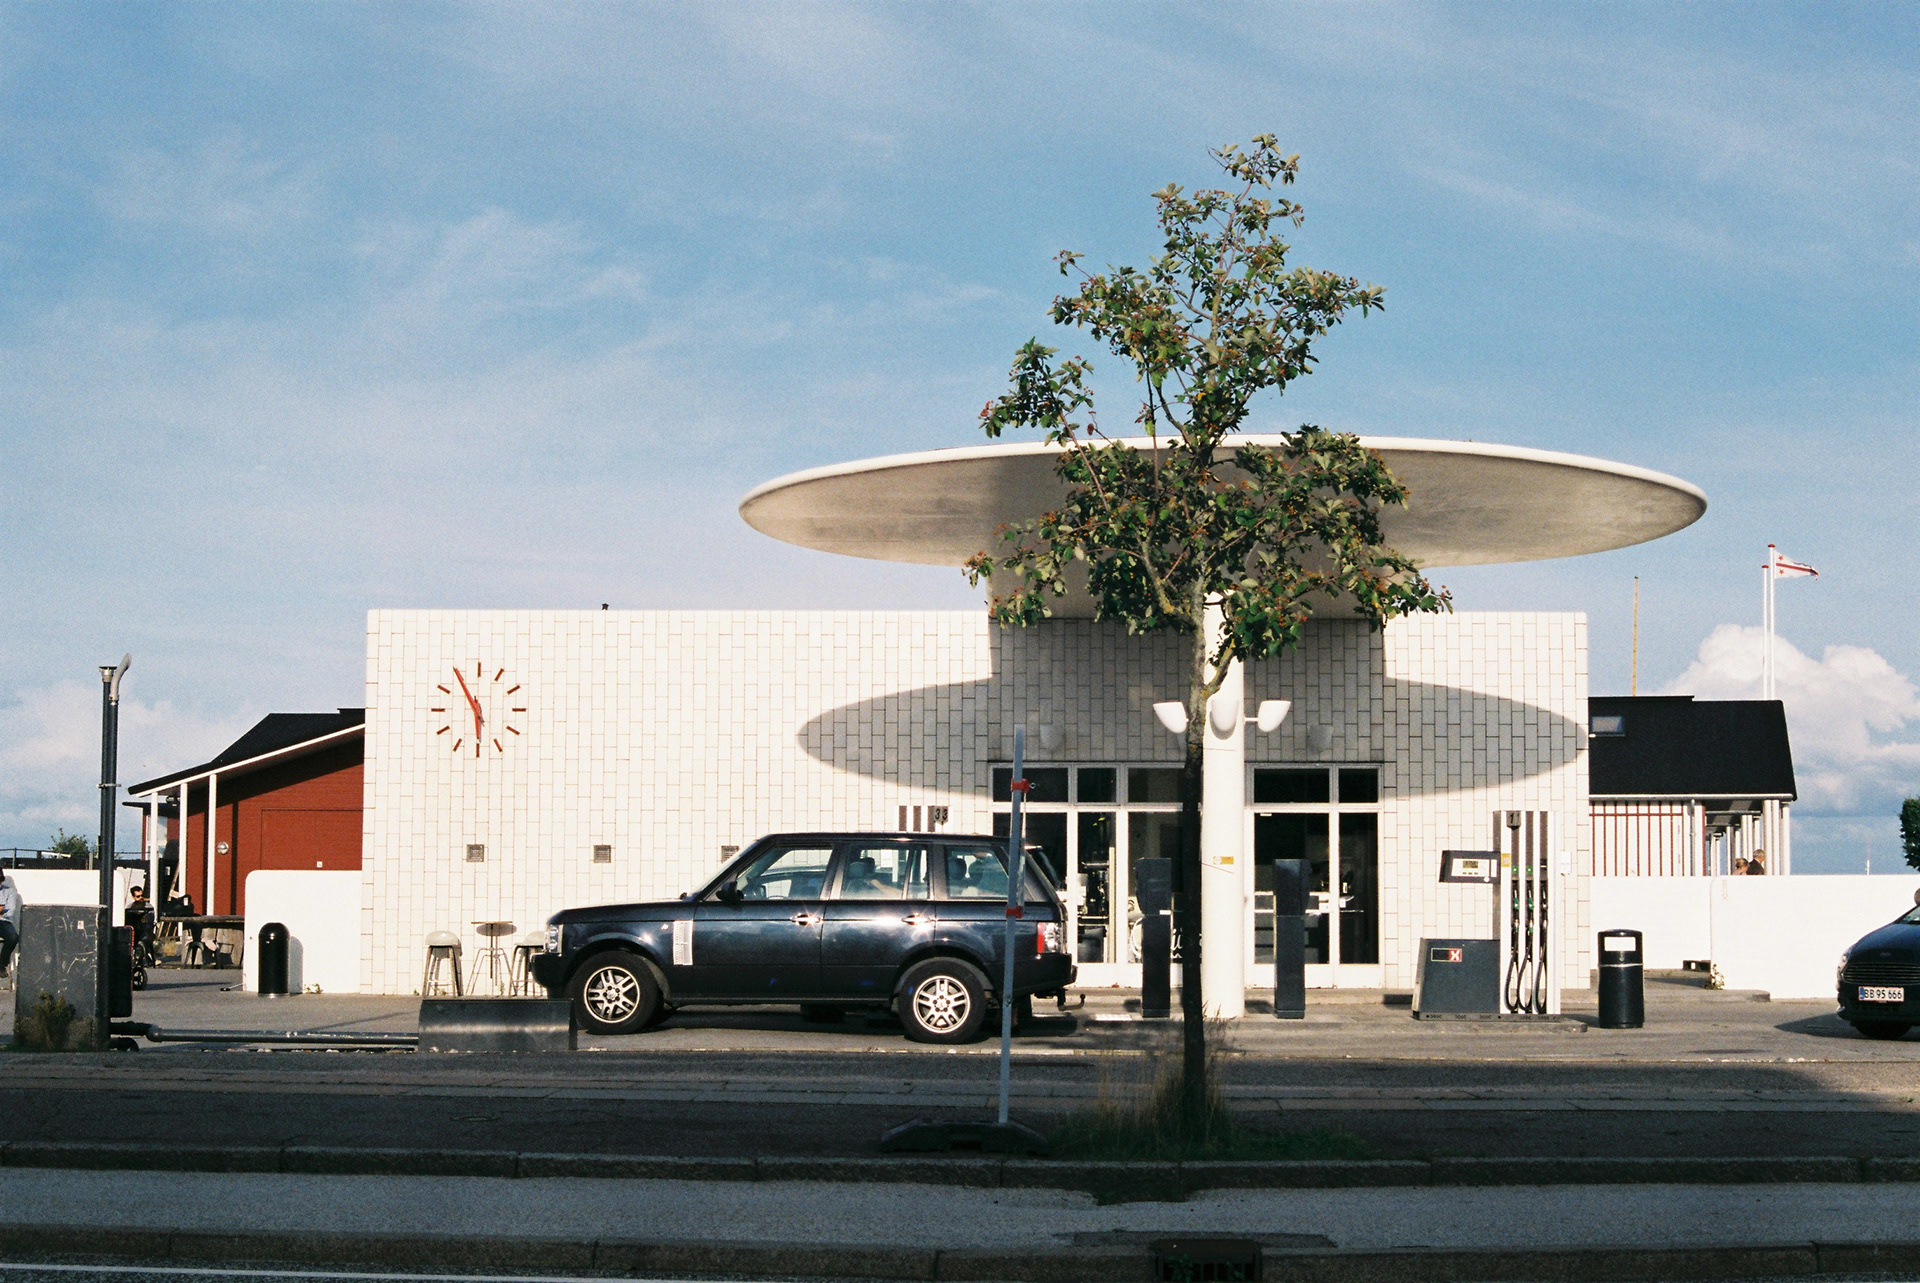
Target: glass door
[1328, 817]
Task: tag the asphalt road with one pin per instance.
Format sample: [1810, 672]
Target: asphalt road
[1711, 1075]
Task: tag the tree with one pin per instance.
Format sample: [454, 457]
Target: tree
[65, 843]
[1192, 524]
[1910, 830]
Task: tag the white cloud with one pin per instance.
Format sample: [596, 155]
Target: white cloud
[50, 762]
[1846, 712]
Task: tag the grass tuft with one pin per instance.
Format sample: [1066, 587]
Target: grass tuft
[1138, 1115]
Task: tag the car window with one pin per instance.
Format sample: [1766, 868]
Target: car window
[786, 873]
[1911, 915]
[884, 872]
[975, 873]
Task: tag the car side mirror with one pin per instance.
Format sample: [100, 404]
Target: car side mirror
[730, 893]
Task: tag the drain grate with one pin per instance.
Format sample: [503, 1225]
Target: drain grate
[1206, 1260]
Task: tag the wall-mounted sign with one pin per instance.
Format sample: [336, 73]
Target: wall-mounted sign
[1469, 866]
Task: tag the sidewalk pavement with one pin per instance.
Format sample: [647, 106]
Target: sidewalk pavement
[932, 1231]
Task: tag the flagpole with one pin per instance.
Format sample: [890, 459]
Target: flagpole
[1766, 611]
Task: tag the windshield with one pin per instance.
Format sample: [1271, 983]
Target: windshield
[1911, 916]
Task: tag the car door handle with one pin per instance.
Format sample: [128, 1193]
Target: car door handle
[806, 919]
[917, 919]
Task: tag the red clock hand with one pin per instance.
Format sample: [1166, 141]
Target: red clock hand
[472, 703]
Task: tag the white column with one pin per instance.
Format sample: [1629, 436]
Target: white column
[156, 839]
[180, 842]
[1786, 838]
[1223, 904]
[213, 833]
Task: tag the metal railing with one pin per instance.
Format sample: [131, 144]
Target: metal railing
[21, 857]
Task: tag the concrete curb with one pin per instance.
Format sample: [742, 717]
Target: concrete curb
[449, 1253]
[1108, 1181]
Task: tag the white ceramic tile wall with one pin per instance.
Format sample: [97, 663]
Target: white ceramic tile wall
[670, 734]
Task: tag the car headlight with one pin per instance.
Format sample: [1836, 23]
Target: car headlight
[1840, 972]
[553, 937]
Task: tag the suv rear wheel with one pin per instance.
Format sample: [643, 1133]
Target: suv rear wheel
[614, 994]
[943, 1000]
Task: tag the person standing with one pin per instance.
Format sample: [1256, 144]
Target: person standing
[9, 919]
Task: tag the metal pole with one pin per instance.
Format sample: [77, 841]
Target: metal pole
[109, 797]
[1016, 909]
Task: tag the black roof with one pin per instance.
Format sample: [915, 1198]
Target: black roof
[1677, 746]
[270, 734]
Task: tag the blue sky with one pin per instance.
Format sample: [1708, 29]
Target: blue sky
[310, 309]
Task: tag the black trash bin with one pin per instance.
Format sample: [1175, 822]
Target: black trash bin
[120, 974]
[273, 959]
[1623, 980]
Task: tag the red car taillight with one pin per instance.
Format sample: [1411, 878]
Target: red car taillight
[1046, 939]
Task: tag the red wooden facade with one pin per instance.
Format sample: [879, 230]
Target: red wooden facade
[302, 813]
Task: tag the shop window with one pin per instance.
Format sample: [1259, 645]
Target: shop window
[1281, 785]
[1046, 783]
[1359, 785]
[1154, 784]
[1045, 836]
[1099, 784]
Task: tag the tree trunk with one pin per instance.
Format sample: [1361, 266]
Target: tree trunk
[1193, 1024]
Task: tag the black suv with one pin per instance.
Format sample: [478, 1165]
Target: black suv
[915, 922]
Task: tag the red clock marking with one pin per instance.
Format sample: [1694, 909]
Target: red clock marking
[457, 744]
[497, 676]
[443, 730]
[443, 690]
[476, 668]
[436, 710]
[514, 729]
[497, 748]
[517, 710]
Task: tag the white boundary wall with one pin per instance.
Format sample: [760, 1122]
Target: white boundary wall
[321, 912]
[1781, 934]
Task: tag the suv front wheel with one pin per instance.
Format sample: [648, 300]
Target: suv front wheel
[614, 994]
[943, 1000]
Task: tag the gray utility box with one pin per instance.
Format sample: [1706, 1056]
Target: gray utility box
[1458, 978]
[59, 954]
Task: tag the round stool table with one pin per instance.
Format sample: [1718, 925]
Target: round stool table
[492, 959]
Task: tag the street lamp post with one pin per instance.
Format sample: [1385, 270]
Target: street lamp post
[109, 798]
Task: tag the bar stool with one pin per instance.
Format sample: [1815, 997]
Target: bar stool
[493, 958]
[520, 976]
[442, 947]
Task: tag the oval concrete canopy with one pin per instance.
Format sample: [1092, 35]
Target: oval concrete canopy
[1468, 503]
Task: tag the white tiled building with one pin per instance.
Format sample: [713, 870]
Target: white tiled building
[623, 753]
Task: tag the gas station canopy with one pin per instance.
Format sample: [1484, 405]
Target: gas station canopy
[1469, 503]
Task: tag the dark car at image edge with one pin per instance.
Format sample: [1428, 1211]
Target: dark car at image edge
[1879, 979]
[909, 922]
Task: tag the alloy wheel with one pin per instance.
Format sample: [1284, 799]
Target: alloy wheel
[612, 995]
[941, 1004]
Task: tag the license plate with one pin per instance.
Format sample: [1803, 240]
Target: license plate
[1882, 993]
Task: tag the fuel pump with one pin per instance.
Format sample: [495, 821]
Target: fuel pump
[1525, 920]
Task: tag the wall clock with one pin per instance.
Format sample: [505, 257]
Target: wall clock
[476, 708]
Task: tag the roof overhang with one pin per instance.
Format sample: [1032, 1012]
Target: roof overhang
[173, 783]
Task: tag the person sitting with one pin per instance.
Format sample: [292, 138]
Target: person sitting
[139, 916]
[9, 919]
